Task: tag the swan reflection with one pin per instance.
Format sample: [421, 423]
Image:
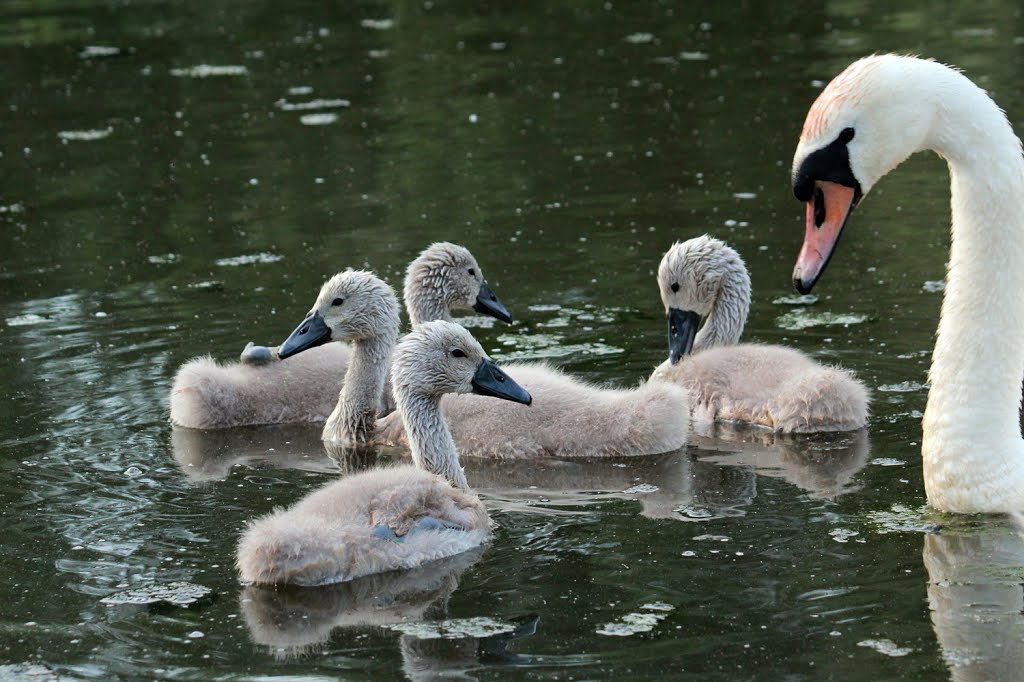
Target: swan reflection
[975, 594]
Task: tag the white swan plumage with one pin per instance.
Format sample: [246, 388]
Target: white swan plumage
[868, 120]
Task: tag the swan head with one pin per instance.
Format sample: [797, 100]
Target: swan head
[444, 277]
[441, 357]
[699, 277]
[352, 306]
[867, 121]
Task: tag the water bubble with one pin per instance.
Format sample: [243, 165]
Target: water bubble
[377, 24]
[175, 594]
[454, 628]
[209, 70]
[902, 387]
[641, 488]
[318, 119]
[886, 647]
[262, 257]
[25, 320]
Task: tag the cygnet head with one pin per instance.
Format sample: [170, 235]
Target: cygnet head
[446, 276]
[868, 120]
[703, 279]
[352, 306]
[441, 357]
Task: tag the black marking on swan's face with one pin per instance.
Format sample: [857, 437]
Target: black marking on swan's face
[830, 163]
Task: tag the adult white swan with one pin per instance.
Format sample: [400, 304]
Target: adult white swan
[871, 117]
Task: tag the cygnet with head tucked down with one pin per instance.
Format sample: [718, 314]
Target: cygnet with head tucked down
[706, 291]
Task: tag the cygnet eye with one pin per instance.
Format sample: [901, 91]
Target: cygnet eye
[472, 272]
[675, 287]
[337, 301]
[458, 353]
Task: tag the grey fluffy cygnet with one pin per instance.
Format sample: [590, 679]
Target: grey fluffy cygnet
[568, 418]
[264, 389]
[390, 518]
[704, 280]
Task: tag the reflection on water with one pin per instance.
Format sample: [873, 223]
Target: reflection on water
[715, 478]
[976, 598]
[210, 455]
[293, 620]
[824, 465]
[180, 182]
[297, 622]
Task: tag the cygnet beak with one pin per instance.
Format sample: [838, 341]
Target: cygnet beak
[682, 329]
[488, 303]
[312, 332]
[491, 381]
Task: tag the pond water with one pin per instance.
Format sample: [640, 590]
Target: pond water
[179, 178]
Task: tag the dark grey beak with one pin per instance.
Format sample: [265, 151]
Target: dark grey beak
[682, 328]
[488, 303]
[491, 381]
[312, 332]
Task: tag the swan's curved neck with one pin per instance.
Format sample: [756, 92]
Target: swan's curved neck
[972, 450]
[355, 414]
[430, 440]
[425, 302]
[724, 324]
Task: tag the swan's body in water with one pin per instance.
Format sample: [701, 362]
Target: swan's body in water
[395, 518]
[772, 386]
[870, 118]
[264, 389]
[568, 418]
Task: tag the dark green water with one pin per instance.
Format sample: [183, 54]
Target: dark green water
[568, 146]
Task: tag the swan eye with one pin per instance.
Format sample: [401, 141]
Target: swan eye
[337, 301]
[675, 287]
[458, 353]
[472, 272]
[846, 135]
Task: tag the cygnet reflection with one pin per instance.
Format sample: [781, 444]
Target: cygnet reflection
[823, 465]
[294, 621]
[210, 455]
[713, 477]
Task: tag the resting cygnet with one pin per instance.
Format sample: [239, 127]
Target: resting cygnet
[394, 518]
[569, 418]
[262, 389]
[703, 279]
